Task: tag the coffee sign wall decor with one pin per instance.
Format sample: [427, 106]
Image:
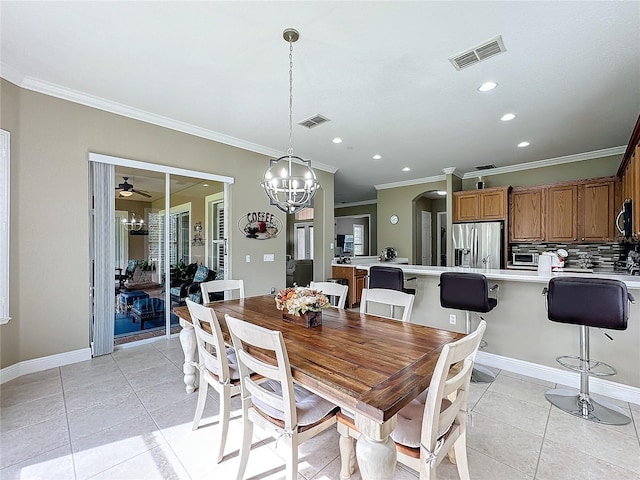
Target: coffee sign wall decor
[260, 225]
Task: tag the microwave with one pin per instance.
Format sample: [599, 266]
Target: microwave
[525, 258]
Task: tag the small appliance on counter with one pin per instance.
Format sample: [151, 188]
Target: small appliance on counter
[557, 259]
[530, 259]
[388, 254]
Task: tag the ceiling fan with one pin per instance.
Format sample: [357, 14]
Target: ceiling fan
[126, 189]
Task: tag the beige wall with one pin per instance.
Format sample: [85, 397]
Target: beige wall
[51, 141]
[400, 201]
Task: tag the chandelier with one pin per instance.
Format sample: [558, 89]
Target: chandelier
[290, 182]
[133, 224]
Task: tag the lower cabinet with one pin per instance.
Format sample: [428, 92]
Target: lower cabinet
[356, 280]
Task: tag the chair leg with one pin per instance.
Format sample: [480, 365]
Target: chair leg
[224, 414]
[292, 462]
[202, 400]
[247, 435]
[460, 450]
[347, 453]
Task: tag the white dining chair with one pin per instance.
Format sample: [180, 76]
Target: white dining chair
[218, 286]
[218, 368]
[379, 301]
[289, 413]
[433, 423]
[332, 289]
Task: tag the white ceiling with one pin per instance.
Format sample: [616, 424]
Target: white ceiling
[378, 70]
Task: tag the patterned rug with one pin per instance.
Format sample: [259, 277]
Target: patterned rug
[124, 324]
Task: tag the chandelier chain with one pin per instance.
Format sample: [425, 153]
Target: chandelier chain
[290, 150]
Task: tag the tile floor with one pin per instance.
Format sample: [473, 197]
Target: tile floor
[127, 416]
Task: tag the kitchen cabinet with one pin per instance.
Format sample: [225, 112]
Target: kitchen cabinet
[571, 212]
[527, 207]
[356, 280]
[485, 204]
[596, 211]
[465, 206]
[562, 213]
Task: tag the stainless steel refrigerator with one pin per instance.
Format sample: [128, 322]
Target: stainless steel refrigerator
[478, 245]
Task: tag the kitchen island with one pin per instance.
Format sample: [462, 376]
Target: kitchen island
[522, 339]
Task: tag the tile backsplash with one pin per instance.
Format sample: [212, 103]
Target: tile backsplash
[603, 255]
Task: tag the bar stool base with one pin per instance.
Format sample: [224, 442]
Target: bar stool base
[586, 407]
[482, 374]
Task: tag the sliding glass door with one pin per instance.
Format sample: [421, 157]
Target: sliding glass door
[157, 248]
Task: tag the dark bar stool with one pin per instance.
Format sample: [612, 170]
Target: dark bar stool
[588, 302]
[389, 277]
[469, 292]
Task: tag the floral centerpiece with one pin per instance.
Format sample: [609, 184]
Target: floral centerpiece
[302, 305]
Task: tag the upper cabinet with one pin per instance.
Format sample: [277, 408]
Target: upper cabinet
[562, 214]
[573, 212]
[596, 211]
[485, 204]
[527, 207]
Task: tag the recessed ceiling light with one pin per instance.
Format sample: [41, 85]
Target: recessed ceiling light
[406, 169]
[486, 86]
[508, 116]
[337, 140]
[377, 157]
[205, 184]
[523, 144]
[442, 193]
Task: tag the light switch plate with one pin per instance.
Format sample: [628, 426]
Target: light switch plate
[269, 257]
[247, 259]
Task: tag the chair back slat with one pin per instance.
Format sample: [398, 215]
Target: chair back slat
[332, 289]
[211, 348]
[391, 299]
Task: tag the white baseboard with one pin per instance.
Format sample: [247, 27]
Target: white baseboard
[619, 391]
[44, 363]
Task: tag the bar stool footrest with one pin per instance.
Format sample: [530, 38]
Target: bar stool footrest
[593, 365]
[584, 406]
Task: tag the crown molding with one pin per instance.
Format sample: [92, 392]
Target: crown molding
[578, 157]
[356, 204]
[406, 183]
[75, 96]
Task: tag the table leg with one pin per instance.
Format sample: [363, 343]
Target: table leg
[375, 450]
[188, 342]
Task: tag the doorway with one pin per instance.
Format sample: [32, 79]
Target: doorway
[426, 238]
[353, 236]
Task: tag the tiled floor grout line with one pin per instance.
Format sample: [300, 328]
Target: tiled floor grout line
[66, 415]
[544, 436]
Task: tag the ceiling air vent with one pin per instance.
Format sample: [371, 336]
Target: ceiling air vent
[478, 53]
[314, 121]
[485, 167]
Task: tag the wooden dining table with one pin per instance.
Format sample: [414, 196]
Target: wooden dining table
[369, 365]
